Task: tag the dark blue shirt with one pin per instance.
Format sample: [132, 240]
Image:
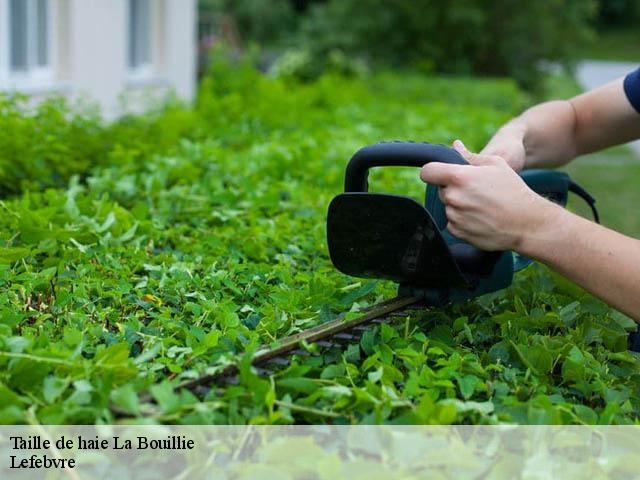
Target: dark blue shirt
[632, 88]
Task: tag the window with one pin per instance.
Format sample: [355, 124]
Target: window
[29, 46]
[140, 35]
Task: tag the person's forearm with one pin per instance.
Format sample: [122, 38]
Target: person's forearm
[553, 133]
[547, 132]
[602, 261]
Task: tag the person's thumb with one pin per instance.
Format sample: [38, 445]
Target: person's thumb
[473, 158]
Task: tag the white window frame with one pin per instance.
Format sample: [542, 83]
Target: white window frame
[146, 71]
[36, 76]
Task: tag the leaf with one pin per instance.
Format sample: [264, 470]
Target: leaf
[148, 354]
[298, 384]
[12, 254]
[367, 341]
[569, 313]
[332, 371]
[9, 398]
[126, 398]
[468, 406]
[54, 387]
[163, 393]
[352, 354]
[536, 357]
[336, 391]
[468, 384]
[624, 321]
[376, 375]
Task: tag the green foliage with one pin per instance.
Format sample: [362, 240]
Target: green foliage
[164, 266]
[503, 37]
[44, 144]
[257, 20]
[618, 13]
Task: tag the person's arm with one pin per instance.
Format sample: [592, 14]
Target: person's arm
[489, 205]
[553, 133]
[602, 261]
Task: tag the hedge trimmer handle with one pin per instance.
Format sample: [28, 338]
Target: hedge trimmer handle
[395, 154]
[418, 154]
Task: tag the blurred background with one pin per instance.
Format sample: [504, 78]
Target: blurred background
[104, 48]
[99, 49]
[497, 38]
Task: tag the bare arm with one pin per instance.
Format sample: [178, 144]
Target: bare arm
[553, 133]
[489, 205]
[600, 260]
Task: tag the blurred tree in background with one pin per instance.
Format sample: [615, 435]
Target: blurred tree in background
[502, 37]
[618, 14]
[262, 21]
[497, 38]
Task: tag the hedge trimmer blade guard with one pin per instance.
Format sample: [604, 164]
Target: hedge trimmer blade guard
[376, 235]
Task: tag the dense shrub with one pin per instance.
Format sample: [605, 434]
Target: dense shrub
[504, 37]
[161, 267]
[43, 144]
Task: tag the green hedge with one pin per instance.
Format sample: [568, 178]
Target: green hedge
[161, 266]
[43, 144]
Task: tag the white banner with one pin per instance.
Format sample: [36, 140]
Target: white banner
[319, 452]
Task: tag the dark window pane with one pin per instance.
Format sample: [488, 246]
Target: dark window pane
[139, 32]
[18, 34]
[42, 32]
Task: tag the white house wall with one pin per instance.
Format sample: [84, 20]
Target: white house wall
[90, 54]
[180, 56]
[97, 50]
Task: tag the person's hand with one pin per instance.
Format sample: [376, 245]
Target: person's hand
[508, 144]
[487, 203]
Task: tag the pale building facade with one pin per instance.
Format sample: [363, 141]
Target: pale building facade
[122, 54]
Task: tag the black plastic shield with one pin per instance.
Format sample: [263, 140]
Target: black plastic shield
[375, 235]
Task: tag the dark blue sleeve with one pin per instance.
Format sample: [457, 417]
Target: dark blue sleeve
[632, 88]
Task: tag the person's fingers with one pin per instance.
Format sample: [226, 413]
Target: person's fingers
[453, 216]
[443, 174]
[475, 158]
[460, 147]
[455, 231]
[451, 196]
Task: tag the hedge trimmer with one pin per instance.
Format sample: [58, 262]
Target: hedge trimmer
[393, 237]
[386, 236]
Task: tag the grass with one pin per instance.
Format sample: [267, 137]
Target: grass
[612, 177]
[619, 45]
